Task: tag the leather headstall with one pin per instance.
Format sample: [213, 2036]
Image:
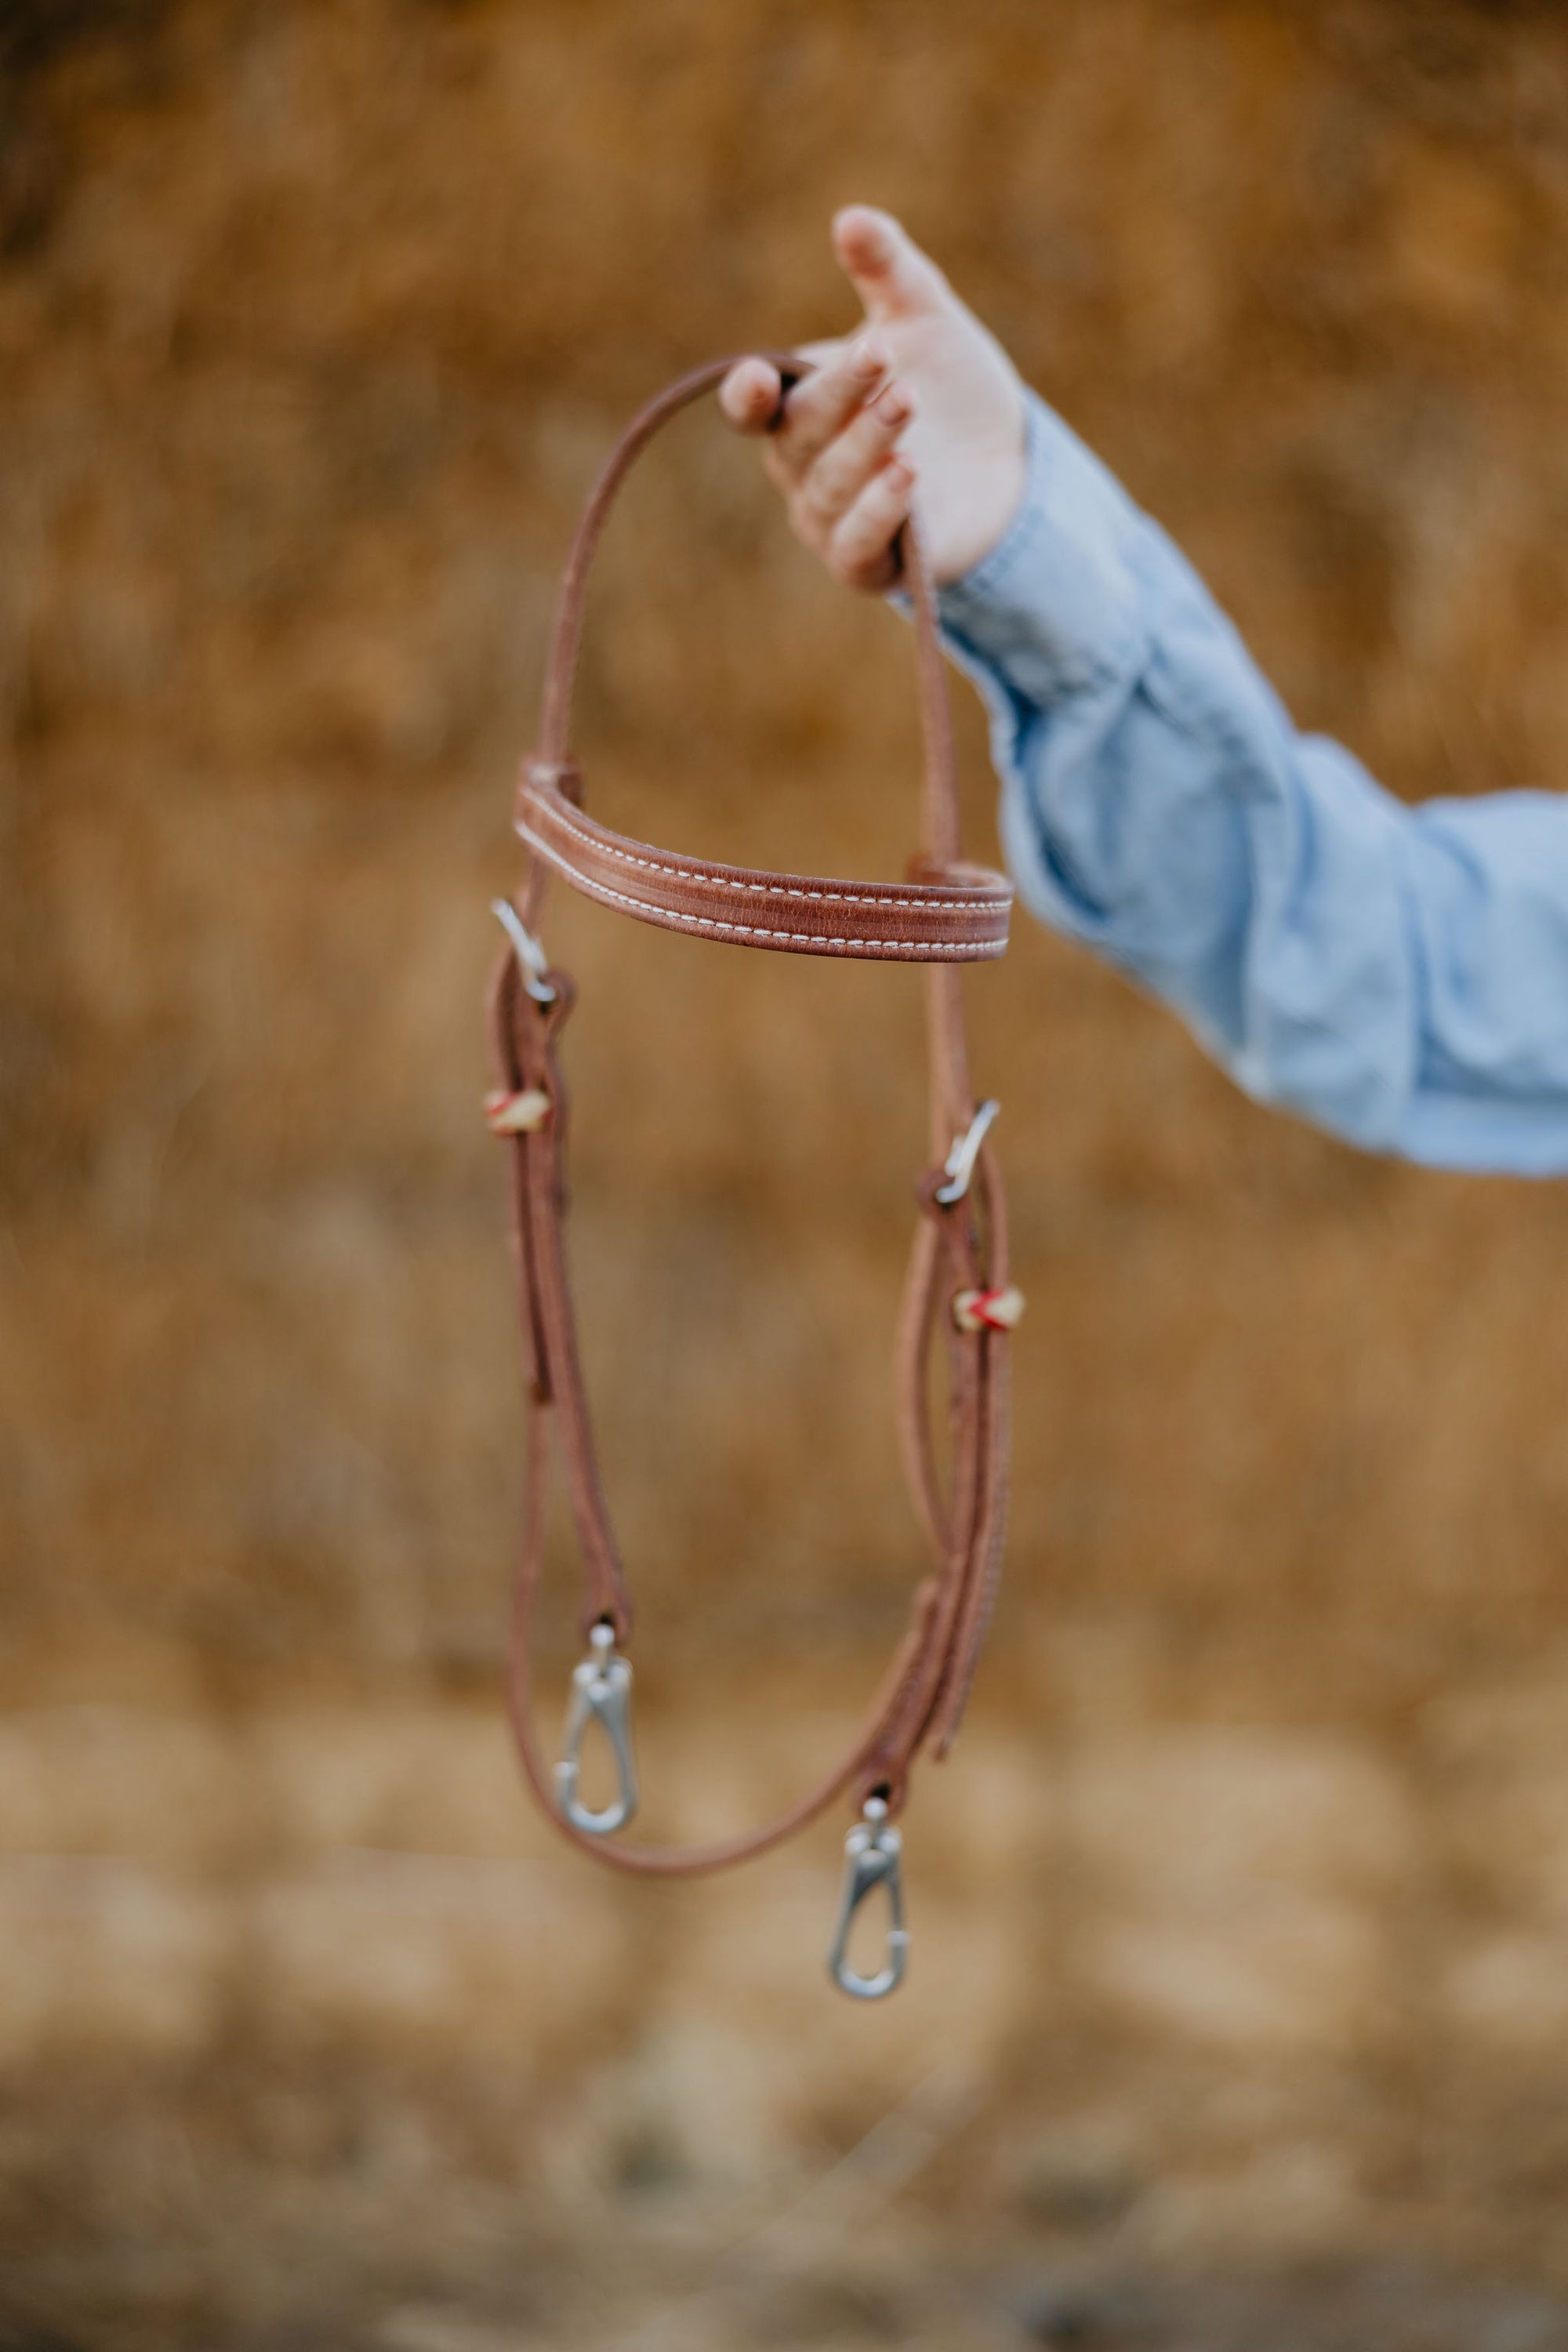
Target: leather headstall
[945, 915]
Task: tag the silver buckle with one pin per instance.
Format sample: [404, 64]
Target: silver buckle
[959, 1165]
[871, 1854]
[530, 954]
[602, 1694]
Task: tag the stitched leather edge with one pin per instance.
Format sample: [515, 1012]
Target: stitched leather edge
[935, 896]
[909, 951]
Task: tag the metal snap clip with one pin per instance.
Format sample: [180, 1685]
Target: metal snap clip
[602, 1694]
[530, 954]
[959, 1165]
[871, 1852]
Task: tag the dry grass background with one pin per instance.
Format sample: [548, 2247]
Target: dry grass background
[1239, 2005]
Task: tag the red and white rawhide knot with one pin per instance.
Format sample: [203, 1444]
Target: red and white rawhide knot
[988, 1310]
[515, 1113]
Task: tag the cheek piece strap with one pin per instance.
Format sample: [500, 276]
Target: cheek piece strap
[943, 914]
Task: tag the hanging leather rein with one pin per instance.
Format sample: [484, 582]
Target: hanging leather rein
[944, 914]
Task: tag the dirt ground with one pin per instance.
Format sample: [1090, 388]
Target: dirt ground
[397, 2251]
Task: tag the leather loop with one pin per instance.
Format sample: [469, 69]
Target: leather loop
[944, 914]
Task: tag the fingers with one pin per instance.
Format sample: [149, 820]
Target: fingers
[833, 449]
[819, 408]
[861, 552]
[749, 395]
[845, 467]
[887, 270]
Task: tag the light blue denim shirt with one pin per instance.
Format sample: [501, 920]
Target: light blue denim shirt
[1398, 975]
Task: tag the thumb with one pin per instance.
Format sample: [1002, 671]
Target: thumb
[887, 270]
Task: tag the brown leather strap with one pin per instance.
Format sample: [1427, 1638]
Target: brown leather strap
[953, 913]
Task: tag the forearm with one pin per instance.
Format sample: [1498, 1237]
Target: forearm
[1398, 976]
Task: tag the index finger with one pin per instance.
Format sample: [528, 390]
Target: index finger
[750, 396]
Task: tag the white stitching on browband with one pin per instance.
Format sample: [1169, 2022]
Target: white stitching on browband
[820, 940]
[770, 889]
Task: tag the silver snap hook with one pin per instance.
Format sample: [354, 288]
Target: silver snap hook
[871, 1852]
[602, 1694]
[530, 954]
[959, 1165]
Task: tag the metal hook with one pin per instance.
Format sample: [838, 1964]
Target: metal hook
[530, 954]
[959, 1165]
[871, 1854]
[601, 1692]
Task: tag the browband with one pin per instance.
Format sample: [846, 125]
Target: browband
[963, 916]
[944, 914]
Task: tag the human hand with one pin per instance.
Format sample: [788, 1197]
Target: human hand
[923, 404]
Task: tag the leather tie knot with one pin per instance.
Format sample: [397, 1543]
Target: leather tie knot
[515, 1113]
[988, 1310]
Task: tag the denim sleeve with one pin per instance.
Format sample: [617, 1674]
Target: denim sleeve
[1397, 975]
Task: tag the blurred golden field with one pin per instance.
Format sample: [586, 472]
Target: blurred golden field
[1238, 2006]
